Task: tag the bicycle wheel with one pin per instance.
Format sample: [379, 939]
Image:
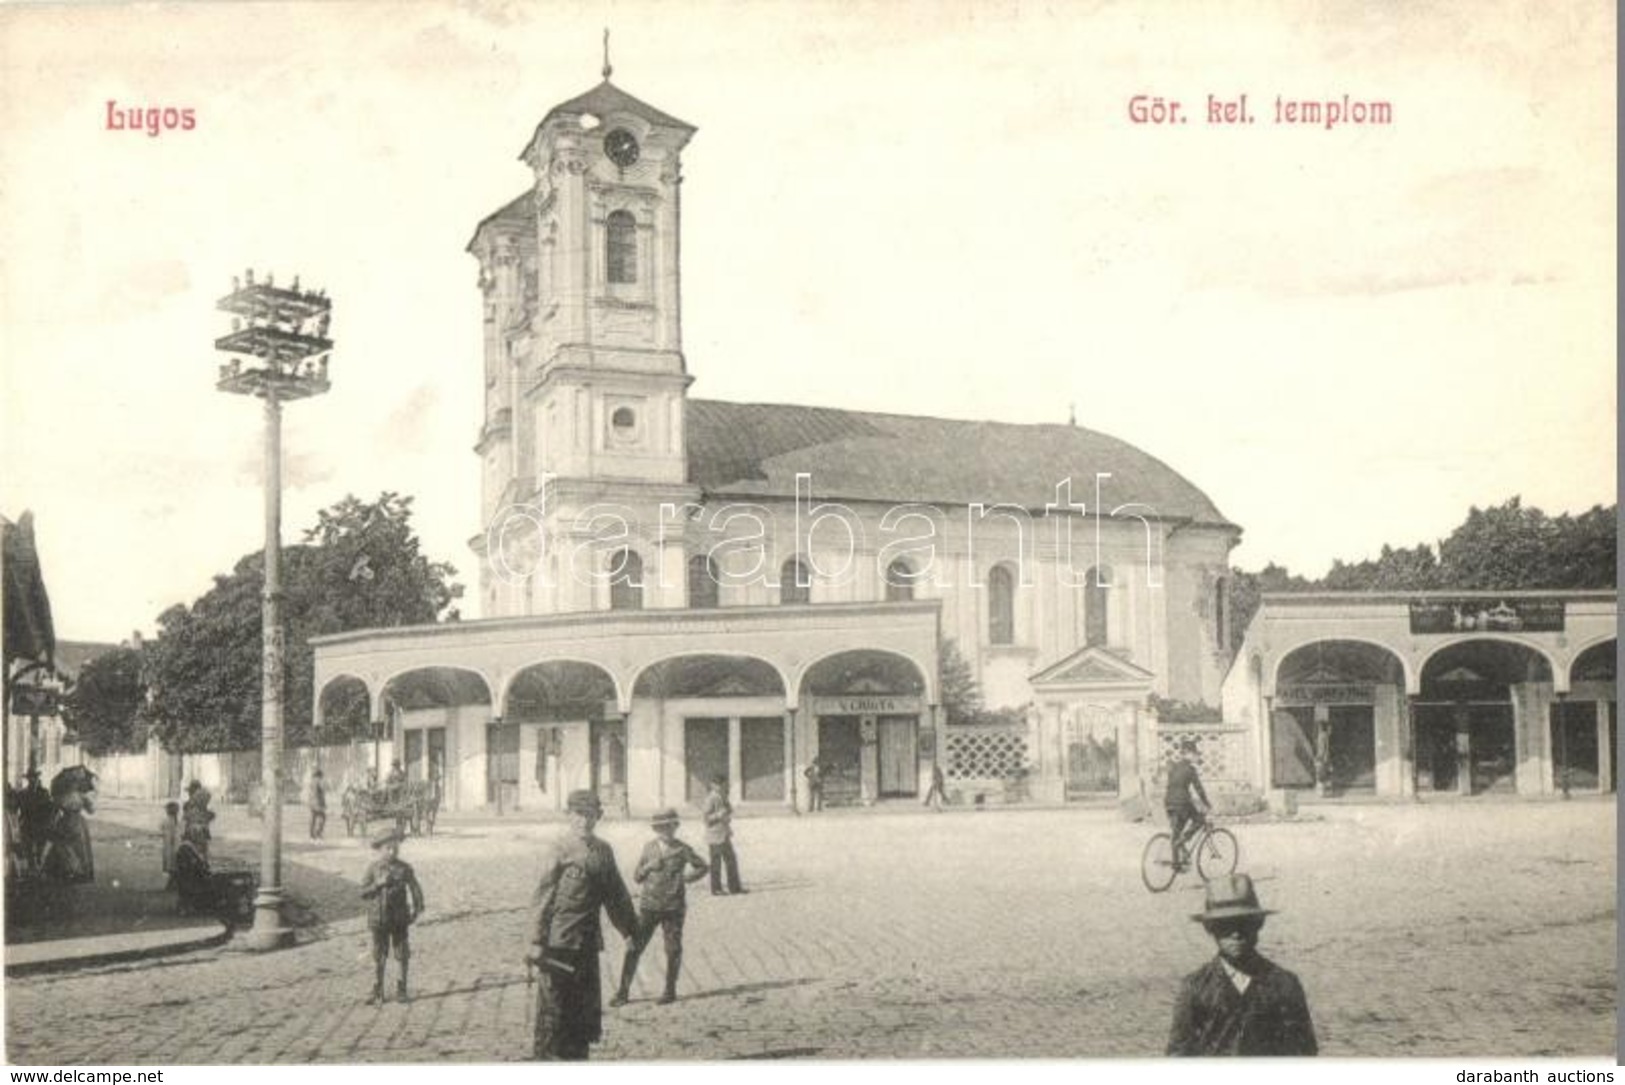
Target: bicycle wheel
[1157, 863]
[1216, 855]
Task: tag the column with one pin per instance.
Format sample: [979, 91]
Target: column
[1407, 740]
[1605, 763]
[791, 769]
[736, 763]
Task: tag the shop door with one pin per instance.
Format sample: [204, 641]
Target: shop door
[1574, 744]
[502, 765]
[899, 756]
[840, 752]
[1435, 747]
[705, 755]
[608, 739]
[1292, 749]
[1493, 747]
[761, 753]
[414, 755]
[437, 758]
[1353, 750]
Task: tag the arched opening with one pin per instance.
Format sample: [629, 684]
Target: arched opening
[795, 582]
[343, 711]
[704, 580]
[868, 713]
[431, 714]
[899, 581]
[621, 240]
[728, 714]
[1585, 724]
[1001, 606]
[564, 731]
[1097, 630]
[625, 570]
[1336, 703]
[1467, 717]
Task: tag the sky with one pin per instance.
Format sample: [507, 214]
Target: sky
[1344, 336]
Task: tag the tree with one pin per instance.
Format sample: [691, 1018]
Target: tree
[104, 705]
[360, 567]
[961, 695]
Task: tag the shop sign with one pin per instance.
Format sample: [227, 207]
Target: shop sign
[1484, 616]
[866, 705]
[1327, 693]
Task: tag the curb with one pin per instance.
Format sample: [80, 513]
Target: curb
[71, 961]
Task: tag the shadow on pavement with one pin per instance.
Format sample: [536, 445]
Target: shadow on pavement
[749, 989]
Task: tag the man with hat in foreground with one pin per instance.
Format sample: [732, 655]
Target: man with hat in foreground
[394, 902]
[664, 870]
[579, 877]
[1239, 1003]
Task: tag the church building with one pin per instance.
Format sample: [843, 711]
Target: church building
[676, 589]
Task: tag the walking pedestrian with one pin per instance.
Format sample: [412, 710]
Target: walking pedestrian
[719, 815]
[664, 870]
[579, 879]
[1239, 1003]
[938, 794]
[394, 902]
[815, 787]
[316, 800]
[196, 816]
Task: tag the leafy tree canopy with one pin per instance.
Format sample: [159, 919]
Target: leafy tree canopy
[962, 695]
[1508, 547]
[360, 567]
[104, 704]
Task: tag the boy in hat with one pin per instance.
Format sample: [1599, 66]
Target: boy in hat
[316, 800]
[579, 877]
[1239, 1003]
[719, 835]
[664, 870]
[1184, 788]
[394, 902]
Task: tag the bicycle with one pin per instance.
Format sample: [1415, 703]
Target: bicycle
[1214, 848]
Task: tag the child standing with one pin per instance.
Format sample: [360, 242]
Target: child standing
[664, 870]
[394, 902]
[170, 827]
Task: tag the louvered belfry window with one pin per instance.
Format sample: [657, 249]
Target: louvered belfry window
[622, 234]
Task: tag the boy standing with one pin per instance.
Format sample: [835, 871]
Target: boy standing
[316, 799]
[1239, 1003]
[394, 902]
[719, 815]
[664, 870]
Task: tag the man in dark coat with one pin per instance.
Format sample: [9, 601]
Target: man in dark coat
[579, 877]
[1239, 1003]
[1184, 788]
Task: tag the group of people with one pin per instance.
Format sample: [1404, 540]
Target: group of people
[186, 836]
[46, 829]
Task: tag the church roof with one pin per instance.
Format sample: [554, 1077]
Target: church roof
[607, 98]
[756, 449]
[516, 212]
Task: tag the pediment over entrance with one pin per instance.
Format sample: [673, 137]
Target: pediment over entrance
[1093, 666]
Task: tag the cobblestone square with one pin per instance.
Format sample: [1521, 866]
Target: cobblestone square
[1449, 929]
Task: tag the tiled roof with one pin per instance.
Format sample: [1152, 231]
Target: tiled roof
[72, 655]
[607, 98]
[516, 210]
[756, 449]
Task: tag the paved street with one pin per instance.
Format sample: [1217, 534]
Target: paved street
[1440, 930]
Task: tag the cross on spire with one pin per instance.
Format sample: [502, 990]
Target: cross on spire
[607, 68]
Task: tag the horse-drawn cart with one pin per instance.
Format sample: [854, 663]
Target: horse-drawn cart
[411, 806]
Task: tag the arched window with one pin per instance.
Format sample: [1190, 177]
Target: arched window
[1001, 606]
[625, 580]
[1096, 585]
[899, 582]
[703, 580]
[795, 582]
[622, 252]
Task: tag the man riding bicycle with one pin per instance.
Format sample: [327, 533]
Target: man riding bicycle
[1184, 788]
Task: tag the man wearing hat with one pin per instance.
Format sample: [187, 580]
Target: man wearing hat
[1239, 1003]
[719, 836]
[579, 877]
[664, 870]
[35, 811]
[1184, 788]
[394, 902]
